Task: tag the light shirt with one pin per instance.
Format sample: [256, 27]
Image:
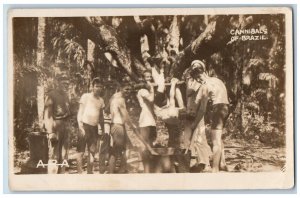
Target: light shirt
[216, 89]
[147, 114]
[92, 108]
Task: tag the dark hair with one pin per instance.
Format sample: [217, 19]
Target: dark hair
[62, 76]
[147, 71]
[126, 84]
[96, 81]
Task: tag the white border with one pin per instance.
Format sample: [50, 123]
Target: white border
[183, 181]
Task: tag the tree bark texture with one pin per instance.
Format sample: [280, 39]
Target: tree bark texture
[40, 64]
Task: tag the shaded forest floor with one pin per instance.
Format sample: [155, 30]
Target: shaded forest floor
[241, 156]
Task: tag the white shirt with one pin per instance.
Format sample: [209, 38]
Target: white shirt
[147, 114]
[92, 107]
[216, 89]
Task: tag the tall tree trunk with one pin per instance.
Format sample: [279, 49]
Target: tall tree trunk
[40, 64]
[91, 60]
[108, 39]
[205, 19]
[90, 51]
[114, 45]
[213, 39]
[174, 35]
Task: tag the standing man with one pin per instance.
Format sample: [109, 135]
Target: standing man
[147, 122]
[195, 141]
[89, 116]
[57, 124]
[119, 117]
[214, 89]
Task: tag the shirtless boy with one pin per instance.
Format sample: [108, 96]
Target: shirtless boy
[119, 117]
[214, 89]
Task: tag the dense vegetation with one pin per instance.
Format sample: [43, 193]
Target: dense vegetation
[115, 48]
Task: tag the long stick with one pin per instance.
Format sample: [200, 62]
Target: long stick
[139, 85]
[169, 84]
[148, 147]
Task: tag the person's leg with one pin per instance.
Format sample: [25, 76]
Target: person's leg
[179, 98]
[90, 162]
[152, 135]
[104, 152]
[80, 162]
[145, 133]
[121, 160]
[92, 147]
[186, 137]
[219, 115]
[174, 135]
[223, 165]
[224, 116]
[112, 161]
[216, 135]
[64, 147]
[53, 146]
[159, 79]
[179, 160]
[53, 155]
[172, 96]
[81, 144]
[118, 136]
[200, 146]
[112, 156]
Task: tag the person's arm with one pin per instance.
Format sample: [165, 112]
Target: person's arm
[159, 80]
[79, 114]
[124, 113]
[48, 115]
[101, 118]
[172, 91]
[149, 95]
[202, 108]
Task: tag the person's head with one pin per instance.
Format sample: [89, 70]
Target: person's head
[126, 89]
[198, 70]
[97, 86]
[63, 82]
[147, 75]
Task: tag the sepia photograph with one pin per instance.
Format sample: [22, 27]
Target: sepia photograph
[165, 96]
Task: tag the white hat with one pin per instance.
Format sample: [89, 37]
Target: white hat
[197, 64]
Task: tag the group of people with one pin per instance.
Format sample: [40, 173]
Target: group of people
[158, 100]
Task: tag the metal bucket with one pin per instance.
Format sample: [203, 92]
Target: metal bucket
[38, 146]
[38, 149]
[170, 160]
[163, 161]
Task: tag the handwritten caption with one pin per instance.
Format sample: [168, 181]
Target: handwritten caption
[253, 34]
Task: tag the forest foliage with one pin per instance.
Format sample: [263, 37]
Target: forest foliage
[122, 47]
